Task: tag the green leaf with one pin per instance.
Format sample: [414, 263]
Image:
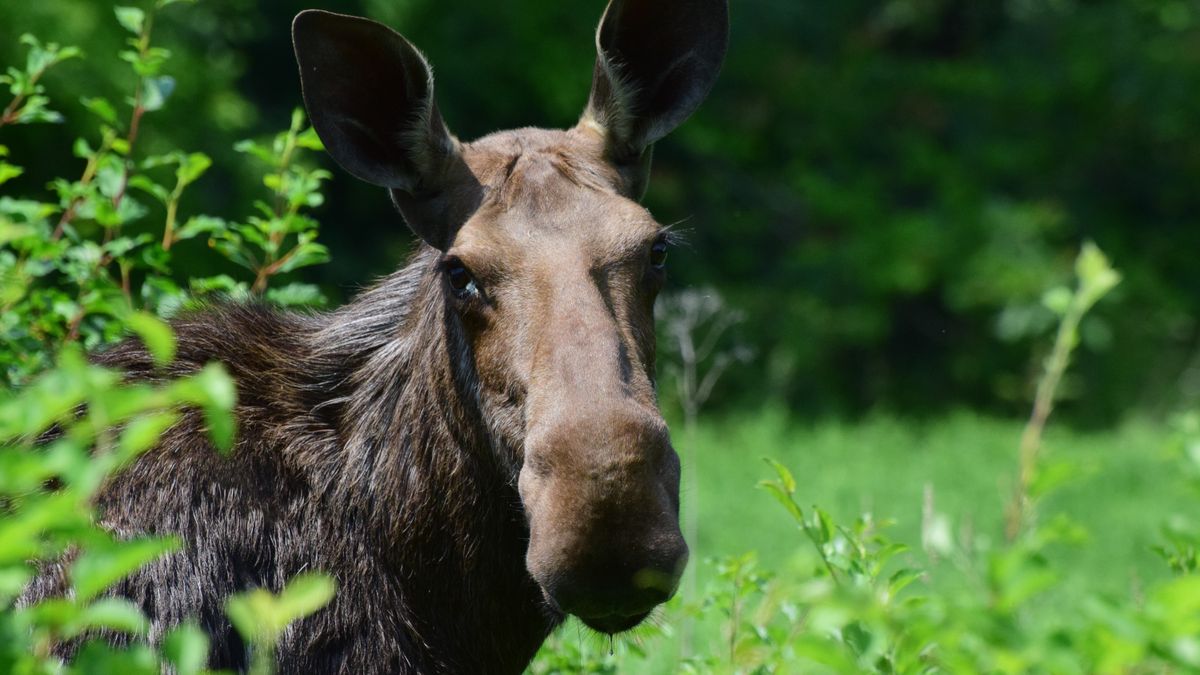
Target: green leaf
[296, 295]
[214, 391]
[192, 167]
[256, 149]
[155, 334]
[297, 119]
[110, 177]
[99, 567]
[1096, 276]
[1058, 300]
[146, 184]
[200, 225]
[98, 657]
[13, 579]
[309, 140]
[261, 616]
[131, 19]
[9, 172]
[114, 614]
[101, 108]
[81, 148]
[781, 495]
[156, 91]
[186, 648]
[1049, 475]
[304, 595]
[143, 433]
[902, 578]
[785, 476]
[825, 523]
[305, 255]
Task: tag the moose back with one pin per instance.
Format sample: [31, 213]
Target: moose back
[471, 448]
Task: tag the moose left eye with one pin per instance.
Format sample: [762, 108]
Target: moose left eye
[459, 277]
[658, 255]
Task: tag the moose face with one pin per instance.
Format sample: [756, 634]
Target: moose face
[549, 271]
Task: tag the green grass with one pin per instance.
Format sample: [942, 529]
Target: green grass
[1120, 488]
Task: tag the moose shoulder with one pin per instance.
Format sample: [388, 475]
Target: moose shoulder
[472, 447]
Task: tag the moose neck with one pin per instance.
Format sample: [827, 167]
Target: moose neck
[417, 462]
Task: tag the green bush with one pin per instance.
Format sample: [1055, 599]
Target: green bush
[73, 266]
[80, 268]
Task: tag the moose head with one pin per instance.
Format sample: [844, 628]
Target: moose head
[549, 268]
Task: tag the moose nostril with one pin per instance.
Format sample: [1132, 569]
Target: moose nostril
[651, 588]
[621, 590]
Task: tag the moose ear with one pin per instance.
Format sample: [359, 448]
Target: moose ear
[369, 95]
[656, 61]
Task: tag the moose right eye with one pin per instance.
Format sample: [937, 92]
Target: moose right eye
[459, 277]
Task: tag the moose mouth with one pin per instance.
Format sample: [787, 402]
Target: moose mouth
[614, 623]
[609, 623]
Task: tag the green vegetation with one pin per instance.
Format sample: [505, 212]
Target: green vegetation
[1125, 492]
[885, 189]
[76, 271]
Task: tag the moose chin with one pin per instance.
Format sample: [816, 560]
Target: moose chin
[472, 448]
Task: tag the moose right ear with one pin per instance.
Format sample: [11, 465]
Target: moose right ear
[369, 95]
[656, 60]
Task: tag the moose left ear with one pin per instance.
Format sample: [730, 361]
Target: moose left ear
[369, 94]
[656, 61]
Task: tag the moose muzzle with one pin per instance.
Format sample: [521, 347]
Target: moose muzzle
[602, 496]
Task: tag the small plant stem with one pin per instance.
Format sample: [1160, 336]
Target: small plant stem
[169, 228]
[691, 519]
[283, 211]
[269, 270]
[735, 614]
[126, 289]
[1043, 405]
[89, 172]
[1096, 278]
[119, 195]
[816, 540]
[11, 112]
[9, 115]
[138, 109]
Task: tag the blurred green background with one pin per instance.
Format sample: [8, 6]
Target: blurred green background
[885, 188]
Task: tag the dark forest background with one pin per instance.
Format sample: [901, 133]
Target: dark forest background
[885, 188]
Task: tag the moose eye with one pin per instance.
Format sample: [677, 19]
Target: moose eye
[658, 254]
[462, 284]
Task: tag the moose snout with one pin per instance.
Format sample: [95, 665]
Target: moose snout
[603, 507]
[615, 591]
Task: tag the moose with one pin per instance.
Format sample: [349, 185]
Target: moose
[472, 448]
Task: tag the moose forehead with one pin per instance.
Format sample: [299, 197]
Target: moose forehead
[551, 191]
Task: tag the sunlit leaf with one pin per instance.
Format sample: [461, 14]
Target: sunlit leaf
[131, 19]
[99, 567]
[113, 614]
[155, 334]
[186, 648]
